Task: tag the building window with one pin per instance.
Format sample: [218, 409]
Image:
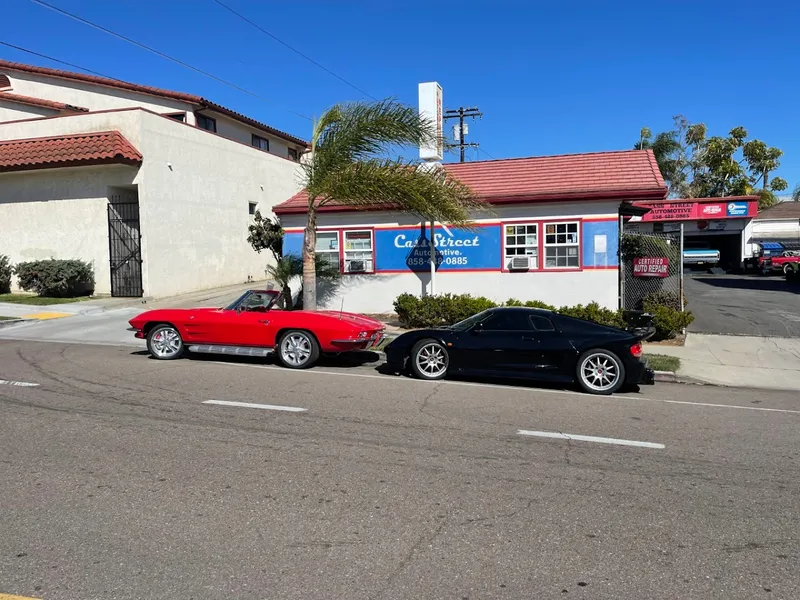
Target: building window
[522, 246]
[259, 142]
[561, 245]
[253, 207]
[5, 83]
[207, 123]
[327, 246]
[293, 154]
[181, 116]
[358, 252]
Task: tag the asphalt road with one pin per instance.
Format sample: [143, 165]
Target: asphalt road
[743, 305]
[119, 482]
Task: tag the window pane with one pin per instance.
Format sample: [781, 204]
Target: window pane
[327, 241]
[542, 323]
[512, 320]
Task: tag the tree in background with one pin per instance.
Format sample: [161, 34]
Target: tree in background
[796, 193]
[696, 166]
[347, 165]
[265, 234]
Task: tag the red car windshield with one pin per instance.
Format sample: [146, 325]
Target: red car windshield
[254, 300]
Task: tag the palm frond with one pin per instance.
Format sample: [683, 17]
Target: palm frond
[430, 194]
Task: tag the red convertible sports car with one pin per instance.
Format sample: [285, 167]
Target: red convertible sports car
[253, 326]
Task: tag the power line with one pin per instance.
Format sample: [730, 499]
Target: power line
[157, 52]
[62, 62]
[293, 49]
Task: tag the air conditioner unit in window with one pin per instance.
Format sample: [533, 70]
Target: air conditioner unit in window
[355, 266]
[520, 263]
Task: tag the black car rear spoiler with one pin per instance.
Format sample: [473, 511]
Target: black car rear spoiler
[639, 323]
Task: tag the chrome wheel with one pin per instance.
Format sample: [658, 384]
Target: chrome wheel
[296, 349]
[166, 342]
[431, 360]
[600, 372]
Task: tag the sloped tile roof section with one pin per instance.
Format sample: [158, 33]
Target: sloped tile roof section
[199, 101]
[105, 147]
[623, 175]
[31, 101]
[782, 210]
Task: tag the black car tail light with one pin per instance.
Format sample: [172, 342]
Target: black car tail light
[636, 350]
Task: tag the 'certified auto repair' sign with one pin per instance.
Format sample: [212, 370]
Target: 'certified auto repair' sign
[651, 267]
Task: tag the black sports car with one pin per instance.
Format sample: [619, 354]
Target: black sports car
[530, 343]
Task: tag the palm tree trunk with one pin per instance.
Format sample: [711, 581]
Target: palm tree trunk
[309, 265]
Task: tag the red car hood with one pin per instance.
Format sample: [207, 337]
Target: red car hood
[355, 318]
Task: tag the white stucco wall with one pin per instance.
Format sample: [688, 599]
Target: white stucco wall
[375, 293]
[194, 192]
[87, 95]
[194, 195]
[12, 111]
[243, 133]
[60, 213]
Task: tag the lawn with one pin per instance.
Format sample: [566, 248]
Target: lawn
[662, 362]
[39, 300]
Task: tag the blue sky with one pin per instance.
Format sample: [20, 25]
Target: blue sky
[550, 77]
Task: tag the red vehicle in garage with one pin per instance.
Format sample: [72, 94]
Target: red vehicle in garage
[253, 326]
[779, 263]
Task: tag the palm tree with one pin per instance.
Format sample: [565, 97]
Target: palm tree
[348, 165]
[290, 266]
[796, 193]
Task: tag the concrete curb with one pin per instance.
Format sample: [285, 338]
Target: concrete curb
[670, 377]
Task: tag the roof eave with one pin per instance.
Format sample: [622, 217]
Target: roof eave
[71, 163]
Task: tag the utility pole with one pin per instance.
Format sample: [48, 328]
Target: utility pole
[462, 133]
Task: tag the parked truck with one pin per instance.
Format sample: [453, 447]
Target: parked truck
[780, 263]
[699, 254]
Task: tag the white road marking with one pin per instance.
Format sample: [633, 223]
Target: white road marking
[507, 387]
[589, 438]
[18, 383]
[250, 405]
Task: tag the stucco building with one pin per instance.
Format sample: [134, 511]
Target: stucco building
[550, 232]
[154, 187]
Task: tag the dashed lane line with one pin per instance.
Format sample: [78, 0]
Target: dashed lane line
[262, 406]
[18, 384]
[589, 438]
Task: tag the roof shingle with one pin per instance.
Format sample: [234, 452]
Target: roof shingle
[152, 91]
[105, 147]
[626, 174]
[782, 210]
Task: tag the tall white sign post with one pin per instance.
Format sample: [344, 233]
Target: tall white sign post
[430, 108]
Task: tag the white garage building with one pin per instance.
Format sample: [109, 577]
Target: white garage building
[155, 188]
[551, 233]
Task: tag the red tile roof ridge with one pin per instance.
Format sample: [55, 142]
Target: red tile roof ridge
[570, 155]
[11, 97]
[146, 89]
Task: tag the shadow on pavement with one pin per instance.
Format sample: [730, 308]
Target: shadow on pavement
[758, 283]
[346, 360]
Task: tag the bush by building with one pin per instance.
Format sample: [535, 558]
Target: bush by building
[447, 309]
[56, 278]
[6, 271]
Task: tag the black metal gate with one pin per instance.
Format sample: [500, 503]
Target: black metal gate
[125, 249]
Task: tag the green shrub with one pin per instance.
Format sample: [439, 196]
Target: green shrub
[668, 321]
[6, 271]
[663, 298]
[56, 278]
[446, 309]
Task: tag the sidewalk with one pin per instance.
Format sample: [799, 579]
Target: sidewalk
[737, 361]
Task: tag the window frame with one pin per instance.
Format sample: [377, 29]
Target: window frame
[254, 137]
[296, 157]
[541, 233]
[343, 257]
[179, 116]
[578, 244]
[207, 119]
[338, 245]
[507, 257]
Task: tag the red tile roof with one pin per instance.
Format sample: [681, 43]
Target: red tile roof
[627, 174]
[105, 147]
[152, 91]
[29, 100]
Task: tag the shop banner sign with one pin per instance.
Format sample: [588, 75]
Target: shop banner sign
[651, 267]
[699, 210]
[406, 249]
